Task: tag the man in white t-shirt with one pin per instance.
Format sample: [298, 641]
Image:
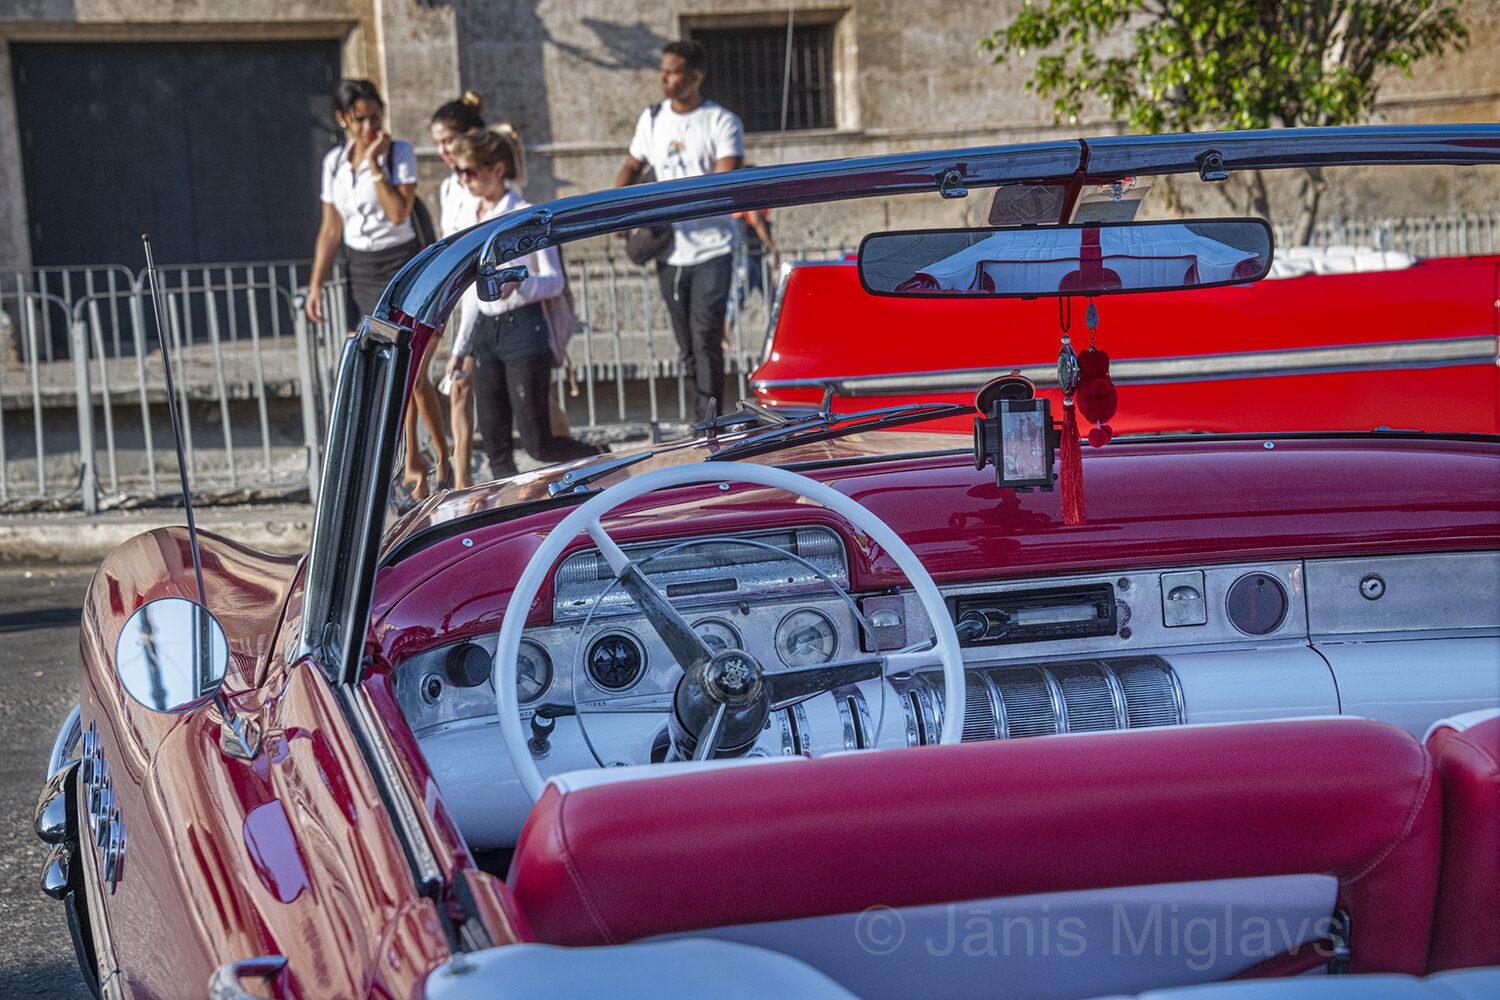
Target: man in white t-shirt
[688, 136]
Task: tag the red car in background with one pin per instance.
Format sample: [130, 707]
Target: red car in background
[1320, 352]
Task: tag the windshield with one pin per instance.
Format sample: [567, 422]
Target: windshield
[1377, 312]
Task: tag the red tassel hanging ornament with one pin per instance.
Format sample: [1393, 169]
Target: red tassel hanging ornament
[1097, 397]
[1070, 474]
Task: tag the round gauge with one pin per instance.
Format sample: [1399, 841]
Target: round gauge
[533, 672]
[615, 661]
[806, 637]
[718, 634]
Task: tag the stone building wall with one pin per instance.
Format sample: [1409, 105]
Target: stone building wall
[573, 75]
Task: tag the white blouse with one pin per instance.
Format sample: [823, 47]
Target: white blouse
[545, 280]
[458, 208]
[350, 189]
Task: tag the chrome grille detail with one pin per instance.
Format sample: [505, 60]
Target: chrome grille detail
[1153, 697]
[707, 570]
[980, 721]
[1027, 697]
[1077, 696]
[1087, 695]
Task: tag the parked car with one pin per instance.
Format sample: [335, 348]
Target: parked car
[1307, 352]
[820, 703]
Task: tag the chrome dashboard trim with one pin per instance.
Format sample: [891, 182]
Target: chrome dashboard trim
[582, 582]
[1117, 695]
[1433, 592]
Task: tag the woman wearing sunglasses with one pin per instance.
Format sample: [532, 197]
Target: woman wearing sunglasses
[509, 338]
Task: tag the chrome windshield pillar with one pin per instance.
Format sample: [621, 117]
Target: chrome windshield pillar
[355, 486]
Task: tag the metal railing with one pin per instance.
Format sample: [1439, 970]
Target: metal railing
[83, 419]
[72, 368]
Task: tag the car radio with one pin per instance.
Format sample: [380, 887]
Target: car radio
[1034, 615]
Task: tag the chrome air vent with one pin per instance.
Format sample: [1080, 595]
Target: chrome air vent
[706, 570]
[1078, 696]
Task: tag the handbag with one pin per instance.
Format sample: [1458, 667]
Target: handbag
[421, 222]
[647, 243]
[562, 318]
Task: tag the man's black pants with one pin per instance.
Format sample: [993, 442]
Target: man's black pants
[697, 297]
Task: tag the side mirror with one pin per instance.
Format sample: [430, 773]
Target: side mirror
[172, 655]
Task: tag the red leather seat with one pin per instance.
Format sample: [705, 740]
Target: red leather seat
[623, 860]
[1466, 931]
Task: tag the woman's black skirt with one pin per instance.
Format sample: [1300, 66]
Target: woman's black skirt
[370, 271]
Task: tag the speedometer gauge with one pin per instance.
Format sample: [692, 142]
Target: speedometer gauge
[806, 637]
[718, 634]
[533, 672]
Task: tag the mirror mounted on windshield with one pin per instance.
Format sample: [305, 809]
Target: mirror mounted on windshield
[1098, 258]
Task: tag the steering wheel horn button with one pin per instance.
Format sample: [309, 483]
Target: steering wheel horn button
[733, 677]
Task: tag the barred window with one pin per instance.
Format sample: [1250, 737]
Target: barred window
[746, 71]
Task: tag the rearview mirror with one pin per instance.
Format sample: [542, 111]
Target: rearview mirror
[1099, 258]
[172, 655]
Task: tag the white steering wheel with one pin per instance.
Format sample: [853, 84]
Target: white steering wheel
[587, 518]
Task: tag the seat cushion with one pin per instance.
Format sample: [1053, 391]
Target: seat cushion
[630, 859]
[1467, 928]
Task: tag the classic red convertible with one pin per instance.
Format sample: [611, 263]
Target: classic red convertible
[816, 703]
[1301, 353]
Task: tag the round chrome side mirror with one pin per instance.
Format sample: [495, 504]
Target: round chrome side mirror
[171, 655]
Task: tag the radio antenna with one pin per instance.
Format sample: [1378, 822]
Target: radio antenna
[166, 364]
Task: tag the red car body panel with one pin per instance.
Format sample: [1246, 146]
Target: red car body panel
[1411, 348]
[291, 853]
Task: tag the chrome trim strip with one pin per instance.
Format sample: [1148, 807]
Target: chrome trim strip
[409, 827]
[997, 705]
[1116, 694]
[69, 733]
[1055, 692]
[1380, 356]
[106, 967]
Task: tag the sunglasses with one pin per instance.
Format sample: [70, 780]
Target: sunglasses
[468, 173]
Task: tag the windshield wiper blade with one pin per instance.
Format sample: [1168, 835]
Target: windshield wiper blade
[575, 480]
[824, 426]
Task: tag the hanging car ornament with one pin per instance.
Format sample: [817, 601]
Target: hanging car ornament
[1096, 394]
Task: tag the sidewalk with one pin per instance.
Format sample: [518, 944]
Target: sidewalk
[75, 539]
[72, 538]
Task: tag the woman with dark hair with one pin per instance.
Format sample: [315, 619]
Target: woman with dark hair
[458, 209]
[509, 339]
[369, 187]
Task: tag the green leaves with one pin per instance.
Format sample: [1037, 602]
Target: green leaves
[1188, 65]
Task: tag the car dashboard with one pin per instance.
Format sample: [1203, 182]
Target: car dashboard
[1403, 638]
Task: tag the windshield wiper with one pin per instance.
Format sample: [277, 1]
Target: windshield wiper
[576, 480]
[824, 425]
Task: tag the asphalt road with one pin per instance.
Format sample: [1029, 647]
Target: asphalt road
[39, 612]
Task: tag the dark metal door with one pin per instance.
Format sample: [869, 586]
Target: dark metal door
[213, 148]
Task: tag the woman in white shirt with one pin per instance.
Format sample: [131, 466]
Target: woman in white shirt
[369, 186]
[509, 338]
[458, 209]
